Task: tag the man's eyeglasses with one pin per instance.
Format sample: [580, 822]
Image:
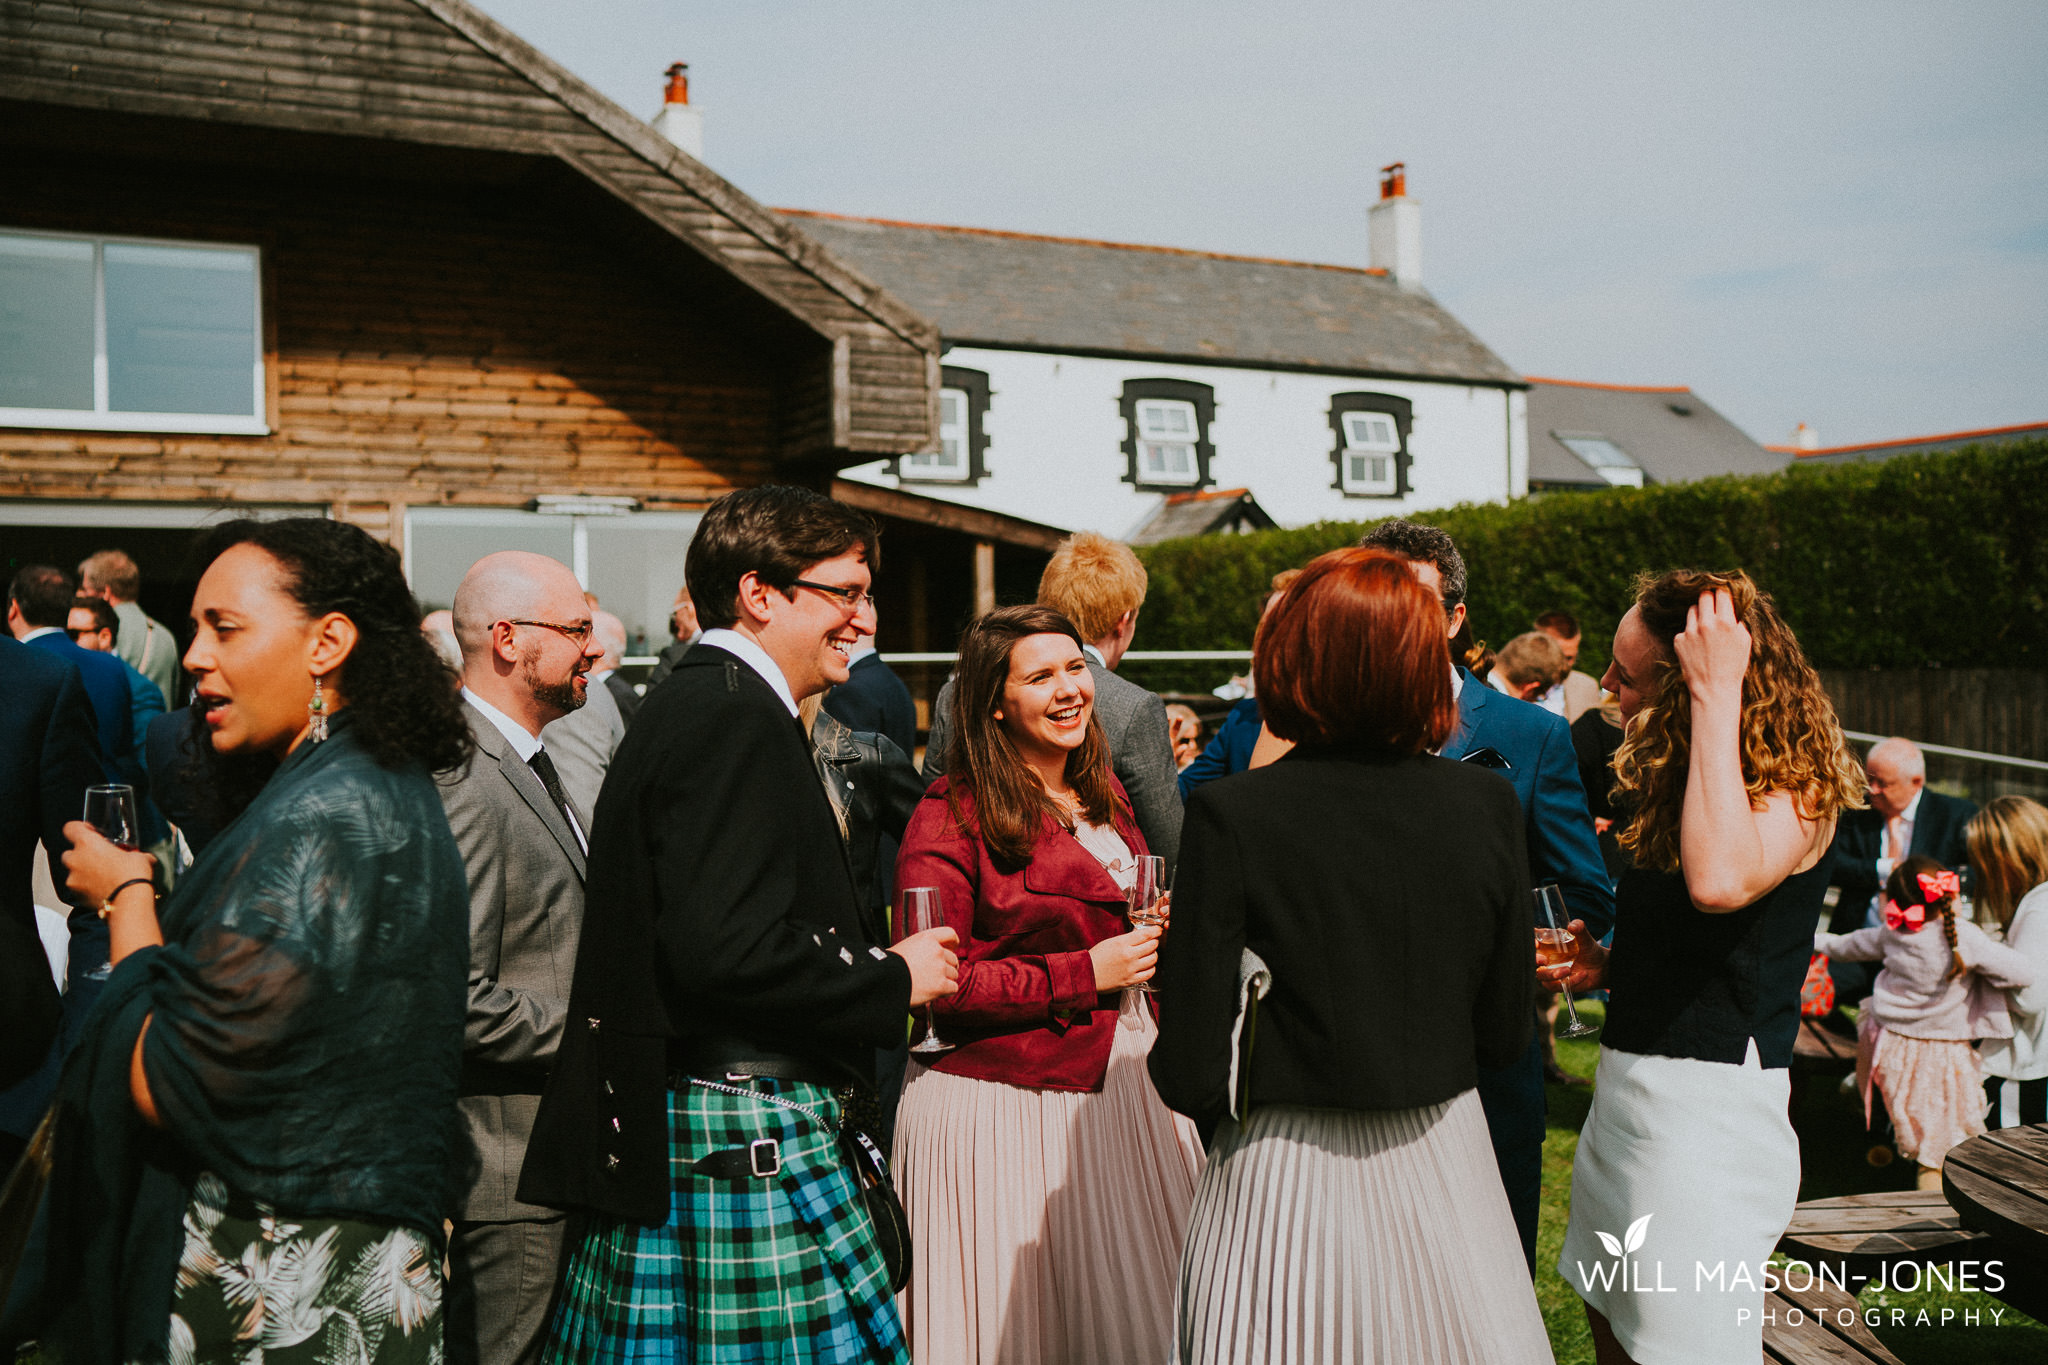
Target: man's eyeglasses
[78, 633]
[578, 631]
[852, 598]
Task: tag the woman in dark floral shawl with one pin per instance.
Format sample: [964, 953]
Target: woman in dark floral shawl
[258, 1142]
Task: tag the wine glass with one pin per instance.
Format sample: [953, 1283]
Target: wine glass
[923, 910]
[1147, 899]
[1555, 945]
[111, 811]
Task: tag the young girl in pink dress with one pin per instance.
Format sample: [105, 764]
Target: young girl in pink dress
[1942, 988]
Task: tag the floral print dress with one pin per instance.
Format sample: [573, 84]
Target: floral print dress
[259, 1288]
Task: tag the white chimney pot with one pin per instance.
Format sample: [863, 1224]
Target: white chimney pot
[679, 120]
[1394, 227]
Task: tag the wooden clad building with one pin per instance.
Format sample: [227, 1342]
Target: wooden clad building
[385, 261]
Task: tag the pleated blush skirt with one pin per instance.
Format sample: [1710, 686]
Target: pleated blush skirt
[1047, 1224]
[1323, 1236]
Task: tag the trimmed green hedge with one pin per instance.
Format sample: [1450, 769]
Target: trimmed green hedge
[1931, 561]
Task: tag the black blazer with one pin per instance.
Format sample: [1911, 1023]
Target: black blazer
[719, 904]
[49, 755]
[1938, 832]
[1391, 901]
[873, 698]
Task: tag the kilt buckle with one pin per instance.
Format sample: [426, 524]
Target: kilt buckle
[765, 1151]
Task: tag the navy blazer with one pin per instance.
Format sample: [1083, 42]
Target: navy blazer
[874, 699]
[48, 757]
[1544, 769]
[1228, 751]
[1939, 827]
[106, 685]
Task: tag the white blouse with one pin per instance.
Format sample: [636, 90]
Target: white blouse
[2024, 1056]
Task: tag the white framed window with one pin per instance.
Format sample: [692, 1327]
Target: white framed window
[949, 461]
[129, 334]
[1167, 431]
[1371, 443]
[1606, 459]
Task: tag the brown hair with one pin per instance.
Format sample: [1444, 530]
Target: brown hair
[1354, 654]
[1092, 581]
[1532, 656]
[113, 571]
[774, 532]
[102, 610]
[1010, 803]
[1902, 888]
[2008, 852]
[1790, 740]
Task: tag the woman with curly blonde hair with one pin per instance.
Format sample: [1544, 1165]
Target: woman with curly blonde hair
[1731, 776]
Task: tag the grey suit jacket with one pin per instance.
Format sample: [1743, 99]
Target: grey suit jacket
[525, 872]
[582, 744]
[1140, 753]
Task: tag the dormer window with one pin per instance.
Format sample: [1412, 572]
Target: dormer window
[1371, 442]
[1605, 458]
[963, 409]
[1371, 452]
[1166, 441]
[1166, 434]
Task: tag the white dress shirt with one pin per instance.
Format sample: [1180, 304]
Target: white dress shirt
[1875, 915]
[754, 657]
[526, 744]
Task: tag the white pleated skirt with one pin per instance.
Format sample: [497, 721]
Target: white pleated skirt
[1330, 1235]
[1046, 1225]
[1690, 1169]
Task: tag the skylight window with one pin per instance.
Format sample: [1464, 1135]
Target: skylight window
[1604, 457]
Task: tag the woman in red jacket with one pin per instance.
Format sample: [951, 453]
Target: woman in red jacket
[1048, 1188]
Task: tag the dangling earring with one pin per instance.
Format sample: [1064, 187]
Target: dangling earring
[316, 710]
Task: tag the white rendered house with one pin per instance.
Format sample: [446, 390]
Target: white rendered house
[1085, 382]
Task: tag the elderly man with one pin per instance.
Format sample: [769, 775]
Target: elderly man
[611, 633]
[527, 645]
[1904, 818]
[143, 641]
[1099, 585]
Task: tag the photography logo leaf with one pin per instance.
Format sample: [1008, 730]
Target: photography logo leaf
[1630, 1240]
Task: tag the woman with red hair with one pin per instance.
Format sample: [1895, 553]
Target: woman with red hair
[1377, 898]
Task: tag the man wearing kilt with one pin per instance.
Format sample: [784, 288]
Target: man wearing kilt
[724, 988]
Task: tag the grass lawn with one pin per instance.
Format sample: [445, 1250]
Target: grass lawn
[1832, 1144]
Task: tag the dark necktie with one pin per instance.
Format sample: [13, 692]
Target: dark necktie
[544, 768]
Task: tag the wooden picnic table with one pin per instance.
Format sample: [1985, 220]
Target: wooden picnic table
[1998, 1184]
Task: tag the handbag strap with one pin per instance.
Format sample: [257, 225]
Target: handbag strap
[1254, 979]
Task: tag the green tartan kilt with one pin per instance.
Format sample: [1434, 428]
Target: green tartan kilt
[781, 1269]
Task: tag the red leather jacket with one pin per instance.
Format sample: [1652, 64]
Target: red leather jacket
[1027, 1012]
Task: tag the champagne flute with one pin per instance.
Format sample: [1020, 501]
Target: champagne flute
[922, 908]
[111, 811]
[1147, 899]
[1555, 945]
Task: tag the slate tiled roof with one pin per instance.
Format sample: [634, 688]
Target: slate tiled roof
[1671, 432]
[1069, 295]
[443, 72]
[1913, 445]
[1201, 513]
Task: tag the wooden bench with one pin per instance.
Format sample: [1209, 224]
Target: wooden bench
[1823, 1050]
[1998, 1184]
[1821, 1325]
[1862, 1233]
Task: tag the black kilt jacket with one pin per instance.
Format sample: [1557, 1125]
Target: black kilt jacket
[719, 905]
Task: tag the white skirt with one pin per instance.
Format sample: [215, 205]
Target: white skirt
[1046, 1224]
[1686, 1177]
[1337, 1235]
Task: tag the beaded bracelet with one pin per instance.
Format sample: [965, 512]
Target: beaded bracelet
[107, 905]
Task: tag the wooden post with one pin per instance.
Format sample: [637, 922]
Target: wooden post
[984, 576]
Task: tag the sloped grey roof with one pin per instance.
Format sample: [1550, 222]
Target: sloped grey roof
[1198, 514]
[1672, 433]
[1915, 445]
[1081, 297]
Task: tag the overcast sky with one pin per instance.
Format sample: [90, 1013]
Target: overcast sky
[1834, 213]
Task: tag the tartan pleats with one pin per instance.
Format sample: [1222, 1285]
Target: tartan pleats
[774, 1271]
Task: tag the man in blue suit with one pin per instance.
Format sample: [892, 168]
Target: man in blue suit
[1531, 748]
[38, 609]
[48, 757]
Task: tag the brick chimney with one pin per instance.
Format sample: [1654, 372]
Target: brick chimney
[1395, 228]
[679, 121]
